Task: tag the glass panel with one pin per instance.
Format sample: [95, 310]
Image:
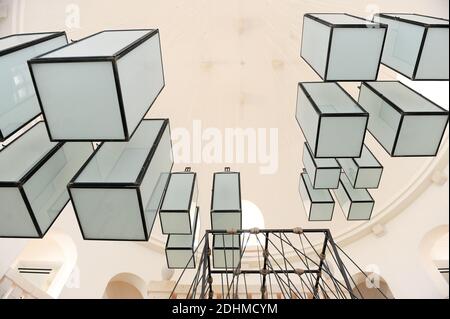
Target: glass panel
[184, 241]
[46, 190]
[226, 241]
[83, 105]
[367, 159]
[121, 162]
[226, 258]
[307, 117]
[342, 18]
[141, 79]
[108, 214]
[180, 259]
[419, 18]
[323, 172]
[106, 43]
[226, 220]
[315, 42]
[16, 220]
[226, 192]
[356, 195]
[368, 177]
[19, 39]
[355, 53]
[19, 103]
[24, 153]
[434, 59]
[315, 195]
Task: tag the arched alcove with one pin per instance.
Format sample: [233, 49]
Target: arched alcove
[125, 286]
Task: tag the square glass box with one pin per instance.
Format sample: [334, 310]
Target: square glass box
[342, 47]
[34, 173]
[324, 172]
[318, 203]
[19, 104]
[416, 45]
[226, 206]
[178, 209]
[118, 192]
[181, 249]
[226, 252]
[357, 204]
[362, 172]
[332, 122]
[99, 88]
[404, 122]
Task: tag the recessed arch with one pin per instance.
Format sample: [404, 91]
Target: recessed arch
[125, 286]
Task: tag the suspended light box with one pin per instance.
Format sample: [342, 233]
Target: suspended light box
[318, 203]
[179, 205]
[101, 87]
[333, 123]
[342, 47]
[19, 104]
[34, 173]
[362, 172]
[357, 204]
[324, 172]
[226, 256]
[416, 45]
[404, 122]
[226, 206]
[118, 192]
[180, 249]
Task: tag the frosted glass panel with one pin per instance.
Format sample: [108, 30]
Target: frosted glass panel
[435, 56]
[179, 204]
[342, 18]
[324, 172]
[19, 103]
[357, 204]
[225, 255]
[118, 194]
[308, 118]
[318, 203]
[115, 76]
[403, 122]
[226, 192]
[226, 220]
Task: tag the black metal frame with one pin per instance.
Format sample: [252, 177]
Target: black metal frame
[402, 113]
[192, 248]
[363, 167]
[426, 26]
[348, 26]
[212, 211]
[51, 36]
[223, 249]
[356, 201]
[121, 185]
[171, 211]
[337, 167]
[320, 115]
[23, 180]
[113, 59]
[302, 180]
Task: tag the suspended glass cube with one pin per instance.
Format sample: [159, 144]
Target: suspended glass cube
[318, 203]
[362, 172]
[416, 45]
[342, 47]
[324, 172]
[404, 122]
[117, 194]
[179, 205]
[99, 88]
[226, 207]
[357, 204]
[334, 125]
[224, 255]
[180, 249]
[19, 104]
[34, 173]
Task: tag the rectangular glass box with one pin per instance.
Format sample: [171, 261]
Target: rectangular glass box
[224, 254]
[179, 205]
[34, 173]
[342, 47]
[19, 104]
[99, 88]
[362, 172]
[416, 45]
[404, 122]
[226, 206]
[332, 122]
[357, 204]
[324, 172]
[318, 203]
[118, 192]
[180, 249]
